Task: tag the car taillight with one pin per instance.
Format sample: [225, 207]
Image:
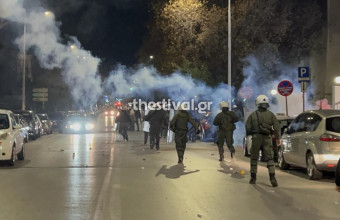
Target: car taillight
[329, 138]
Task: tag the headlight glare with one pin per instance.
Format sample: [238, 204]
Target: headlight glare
[75, 126]
[89, 126]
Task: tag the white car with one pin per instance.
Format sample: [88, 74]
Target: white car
[11, 138]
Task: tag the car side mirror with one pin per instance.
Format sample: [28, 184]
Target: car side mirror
[19, 126]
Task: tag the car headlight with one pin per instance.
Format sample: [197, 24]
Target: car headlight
[89, 126]
[75, 126]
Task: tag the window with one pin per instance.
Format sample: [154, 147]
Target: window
[4, 123]
[294, 126]
[312, 122]
[14, 121]
[333, 124]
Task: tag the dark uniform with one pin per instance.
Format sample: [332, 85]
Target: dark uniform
[156, 118]
[124, 121]
[225, 121]
[179, 125]
[260, 125]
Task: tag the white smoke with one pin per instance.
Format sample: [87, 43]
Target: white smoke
[263, 82]
[79, 67]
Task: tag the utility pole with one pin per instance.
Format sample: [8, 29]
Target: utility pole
[229, 53]
[23, 104]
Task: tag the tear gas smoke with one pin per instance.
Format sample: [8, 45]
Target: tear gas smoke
[79, 67]
[263, 81]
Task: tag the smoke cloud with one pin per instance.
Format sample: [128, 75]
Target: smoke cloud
[79, 67]
[263, 80]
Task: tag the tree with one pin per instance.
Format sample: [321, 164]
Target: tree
[192, 35]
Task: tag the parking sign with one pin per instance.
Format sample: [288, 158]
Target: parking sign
[304, 74]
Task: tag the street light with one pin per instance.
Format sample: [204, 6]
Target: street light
[151, 57]
[23, 94]
[273, 92]
[48, 13]
[229, 50]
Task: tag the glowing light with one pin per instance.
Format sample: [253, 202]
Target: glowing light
[337, 80]
[73, 47]
[151, 57]
[89, 126]
[75, 127]
[273, 92]
[48, 13]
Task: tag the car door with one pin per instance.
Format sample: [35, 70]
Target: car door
[17, 134]
[312, 122]
[294, 134]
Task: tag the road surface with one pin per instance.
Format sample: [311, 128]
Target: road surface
[96, 176]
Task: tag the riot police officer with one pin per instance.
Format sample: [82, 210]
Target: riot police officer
[225, 121]
[179, 125]
[260, 124]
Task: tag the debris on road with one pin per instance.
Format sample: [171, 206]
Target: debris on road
[198, 215]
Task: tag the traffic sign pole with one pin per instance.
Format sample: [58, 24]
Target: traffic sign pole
[285, 88]
[286, 105]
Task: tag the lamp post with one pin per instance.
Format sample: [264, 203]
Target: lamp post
[23, 94]
[23, 103]
[229, 51]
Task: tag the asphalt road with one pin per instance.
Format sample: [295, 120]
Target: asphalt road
[94, 176]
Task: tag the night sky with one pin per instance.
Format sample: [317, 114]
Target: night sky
[113, 30]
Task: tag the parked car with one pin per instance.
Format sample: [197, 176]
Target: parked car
[25, 126]
[77, 124]
[284, 123]
[312, 141]
[337, 176]
[34, 122]
[11, 138]
[46, 123]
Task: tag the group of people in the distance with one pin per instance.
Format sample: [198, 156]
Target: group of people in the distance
[261, 124]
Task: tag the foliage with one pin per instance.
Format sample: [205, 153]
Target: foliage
[191, 35]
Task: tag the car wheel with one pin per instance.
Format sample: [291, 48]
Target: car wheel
[21, 154]
[281, 160]
[312, 171]
[245, 148]
[11, 162]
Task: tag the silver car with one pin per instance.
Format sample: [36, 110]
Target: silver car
[312, 141]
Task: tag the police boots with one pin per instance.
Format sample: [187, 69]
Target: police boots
[273, 180]
[221, 157]
[252, 178]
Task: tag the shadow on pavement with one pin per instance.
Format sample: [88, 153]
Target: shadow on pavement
[18, 164]
[300, 172]
[175, 171]
[232, 170]
[284, 206]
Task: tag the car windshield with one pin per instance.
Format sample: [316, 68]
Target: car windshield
[27, 116]
[43, 117]
[4, 123]
[333, 124]
[75, 118]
